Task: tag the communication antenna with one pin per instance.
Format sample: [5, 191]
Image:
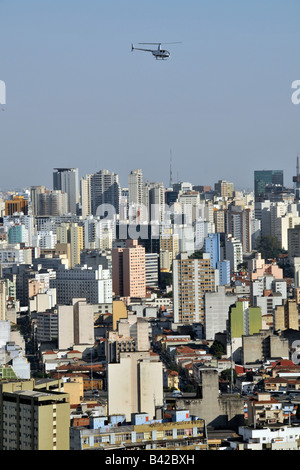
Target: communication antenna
[171, 173]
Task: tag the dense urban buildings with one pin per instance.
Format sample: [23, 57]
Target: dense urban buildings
[149, 317]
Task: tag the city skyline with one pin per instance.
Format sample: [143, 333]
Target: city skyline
[221, 104]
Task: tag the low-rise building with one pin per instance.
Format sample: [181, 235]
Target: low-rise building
[268, 438]
[180, 432]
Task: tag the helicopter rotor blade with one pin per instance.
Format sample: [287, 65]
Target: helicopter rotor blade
[161, 42]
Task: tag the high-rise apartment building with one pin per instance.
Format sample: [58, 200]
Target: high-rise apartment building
[217, 306]
[35, 191]
[152, 269]
[224, 189]
[85, 195]
[129, 270]
[105, 191]
[219, 220]
[135, 187]
[233, 252]
[52, 203]
[140, 378]
[93, 283]
[75, 324]
[294, 241]
[67, 181]
[192, 278]
[71, 234]
[239, 226]
[244, 320]
[33, 418]
[169, 248]
[213, 248]
[286, 316]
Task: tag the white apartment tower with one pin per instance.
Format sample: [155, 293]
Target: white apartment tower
[67, 181]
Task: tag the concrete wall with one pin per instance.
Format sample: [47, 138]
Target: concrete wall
[226, 411]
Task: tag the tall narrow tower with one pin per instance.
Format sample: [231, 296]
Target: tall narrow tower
[296, 179]
[171, 173]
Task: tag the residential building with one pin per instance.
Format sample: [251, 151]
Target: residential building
[182, 431]
[75, 324]
[52, 204]
[67, 181]
[72, 234]
[92, 283]
[85, 193]
[224, 189]
[264, 410]
[286, 316]
[140, 377]
[152, 269]
[233, 252]
[105, 194]
[33, 418]
[192, 278]
[212, 247]
[129, 270]
[270, 437]
[217, 305]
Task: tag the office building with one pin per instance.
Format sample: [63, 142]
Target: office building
[267, 180]
[17, 204]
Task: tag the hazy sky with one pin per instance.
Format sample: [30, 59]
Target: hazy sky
[77, 96]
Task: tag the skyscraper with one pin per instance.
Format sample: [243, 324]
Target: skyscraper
[67, 181]
[192, 278]
[105, 190]
[85, 193]
[135, 187]
[266, 179]
[129, 270]
[212, 246]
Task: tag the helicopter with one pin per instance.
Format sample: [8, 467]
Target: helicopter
[158, 53]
